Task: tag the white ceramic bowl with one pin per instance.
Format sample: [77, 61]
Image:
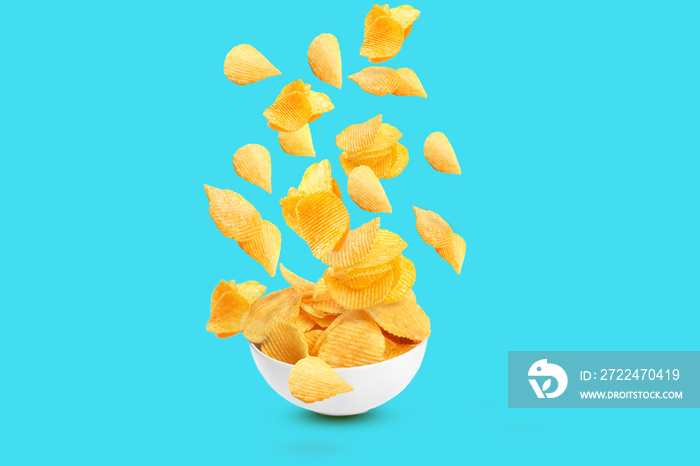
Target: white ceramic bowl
[374, 384]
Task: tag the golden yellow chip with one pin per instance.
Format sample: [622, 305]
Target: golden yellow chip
[454, 252]
[377, 80]
[362, 278]
[352, 298]
[234, 216]
[311, 336]
[356, 342]
[369, 158]
[289, 209]
[344, 317]
[268, 311]
[250, 290]
[358, 244]
[296, 86]
[407, 276]
[317, 178]
[383, 38]
[324, 321]
[296, 281]
[252, 163]
[393, 348]
[324, 59]
[409, 84]
[346, 163]
[382, 166]
[328, 307]
[265, 248]
[313, 380]
[403, 318]
[387, 247]
[245, 65]
[308, 308]
[405, 15]
[226, 313]
[365, 189]
[289, 112]
[398, 162]
[432, 228]
[321, 292]
[375, 13]
[358, 137]
[336, 189]
[221, 288]
[387, 136]
[440, 154]
[323, 221]
[303, 321]
[320, 104]
[297, 142]
[285, 343]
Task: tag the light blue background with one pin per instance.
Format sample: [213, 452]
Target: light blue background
[576, 126]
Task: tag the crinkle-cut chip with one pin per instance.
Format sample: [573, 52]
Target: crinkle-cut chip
[289, 112]
[399, 160]
[362, 278]
[252, 163]
[383, 38]
[432, 228]
[405, 15]
[323, 221]
[454, 252]
[403, 318]
[311, 380]
[346, 163]
[393, 349]
[386, 137]
[377, 80]
[278, 306]
[311, 310]
[289, 209]
[324, 59]
[317, 178]
[375, 13]
[297, 142]
[303, 321]
[320, 104]
[221, 288]
[356, 342]
[295, 86]
[336, 189]
[352, 298]
[285, 343]
[311, 336]
[296, 281]
[386, 248]
[251, 290]
[407, 276]
[234, 216]
[321, 292]
[245, 65]
[440, 154]
[344, 317]
[409, 84]
[358, 244]
[365, 189]
[265, 248]
[328, 307]
[226, 313]
[376, 270]
[369, 158]
[324, 321]
[358, 137]
[382, 166]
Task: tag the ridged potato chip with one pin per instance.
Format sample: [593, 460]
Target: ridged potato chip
[369, 157]
[234, 216]
[357, 137]
[250, 290]
[393, 349]
[403, 318]
[352, 298]
[377, 80]
[405, 15]
[226, 313]
[344, 317]
[362, 278]
[440, 154]
[265, 248]
[252, 163]
[221, 288]
[432, 228]
[311, 380]
[407, 276]
[345, 162]
[375, 13]
[285, 343]
[311, 336]
[324, 321]
[324, 59]
[303, 321]
[365, 189]
[358, 244]
[383, 38]
[323, 221]
[321, 292]
[296, 281]
[289, 112]
[409, 84]
[320, 104]
[268, 311]
[454, 252]
[297, 142]
[382, 166]
[328, 307]
[387, 136]
[289, 209]
[317, 178]
[399, 160]
[387, 247]
[245, 65]
[355, 342]
[335, 189]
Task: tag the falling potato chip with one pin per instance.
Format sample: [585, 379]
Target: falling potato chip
[268, 311]
[356, 342]
[407, 276]
[358, 244]
[383, 38]
[440, 155]
[289, 209]
[454, 252]
[324, 59]
[405, 15]
[296, 281]
[311, 380]
[387, 136]
[352, 298]
[265, 248]
[409, 84]
[321, 292]
[432, 228]
[289, 112]
[285, 343]
[323, 221]
[251, 290]
[252, 163]
[399, 160]
[311, 336]
[317, 178]
[368, 158]
[297, 142]
[362, 278]
[221, 288]
[365, 189]
[245, 65]
[375, 13]
[403, 318]
[234, 216]
[387, 247]
[336, 189]
[226, 313]
[377, 80]
[295, 86]
[382, 166]
[357, 137]
[320, 104]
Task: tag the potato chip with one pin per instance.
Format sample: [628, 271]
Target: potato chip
[382, 166]
[303, 321]
[352, 298]
[296, 281]
[403, 318]
[324, 59]
[268, 311]
[226, 313]
[409, 84]
[377, 80]
[365, 189]
[336, 189]
[252, 163]
[362, 278]
[375, 13]
[297, 142]
[357, 137]
[289, 112]
[398, 162]
[345, 162]
[245, 65]
[324, 321]
[285, 343]
[311, 336]
[320, 104]
[295, 86]
[383, 38]
[221, 288]
[234, 216]
[313, 380]
[328, 307]
[250, 290]
[393, 349]
[369, 157]
[387, 136]
[308, 308]
[357, 246]
[355, 342]
[405, 15]
[407, 276]
[440, 155]
[265, 248]
[432, 228]
[317, 178]
[323, 221]
[321, 292]
[454, 252]
[387, 247]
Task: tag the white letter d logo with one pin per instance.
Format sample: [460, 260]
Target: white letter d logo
[542, 368]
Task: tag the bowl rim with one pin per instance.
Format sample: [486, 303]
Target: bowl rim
[255, 348]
